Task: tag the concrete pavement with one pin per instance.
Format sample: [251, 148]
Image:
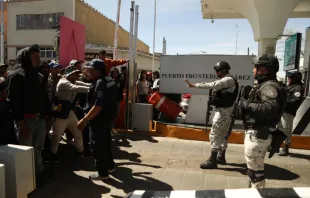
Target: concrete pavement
[161, 163]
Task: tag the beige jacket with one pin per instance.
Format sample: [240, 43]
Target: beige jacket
[65, 90]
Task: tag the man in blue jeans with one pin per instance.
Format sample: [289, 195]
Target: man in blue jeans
[102, 98]
[26, 98]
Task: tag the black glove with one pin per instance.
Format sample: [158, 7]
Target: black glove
[277, 138]
[240, 114]
[246, 92]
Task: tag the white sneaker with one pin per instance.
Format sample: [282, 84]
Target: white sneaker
[96, 176]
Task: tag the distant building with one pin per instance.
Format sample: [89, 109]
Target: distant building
[35, 21]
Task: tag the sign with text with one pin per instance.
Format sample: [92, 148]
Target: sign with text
[292, 52]
[174, 69]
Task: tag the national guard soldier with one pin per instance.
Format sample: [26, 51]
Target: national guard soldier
[261, 113]
[295, 95]
[224, 95]
[103, 101]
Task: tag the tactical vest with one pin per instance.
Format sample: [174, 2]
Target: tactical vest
[255, 97]
[222, 98]
[292, 107]
[109, 111]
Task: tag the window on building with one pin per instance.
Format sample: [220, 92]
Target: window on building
[38, 21]
[56, 19]
[46, 53]
[21, 21]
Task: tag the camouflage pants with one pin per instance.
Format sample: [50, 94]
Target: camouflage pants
[255, 150]
[286, 126]
[219, 128]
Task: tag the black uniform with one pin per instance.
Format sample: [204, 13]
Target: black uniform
[103, 93]
[294, 98]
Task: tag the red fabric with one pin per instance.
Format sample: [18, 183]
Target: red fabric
[120, 121]
[72, 41]
[113, 63]
[187, 96]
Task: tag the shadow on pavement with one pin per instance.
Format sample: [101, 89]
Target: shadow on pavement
[124, 155]
[241, 168]
[271, 171]
[299, 156]
[140, 137]
[129, 181]
[59, 180]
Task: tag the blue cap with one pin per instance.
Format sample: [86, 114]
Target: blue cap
[96, 64]
[54, 65]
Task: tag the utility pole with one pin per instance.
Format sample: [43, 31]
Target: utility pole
[130, 87]
[116, 29]
[136, 25]
[237, 40]
[154, 33]
[2, 31]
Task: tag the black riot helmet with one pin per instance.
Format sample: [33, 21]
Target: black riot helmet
[295, 75]
[268, 61]
[221, 65]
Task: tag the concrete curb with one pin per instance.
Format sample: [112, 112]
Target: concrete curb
[237, 137]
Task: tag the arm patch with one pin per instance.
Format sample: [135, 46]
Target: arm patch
[269, 91]
[297, 94]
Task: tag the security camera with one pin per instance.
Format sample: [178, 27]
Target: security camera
[212, 21]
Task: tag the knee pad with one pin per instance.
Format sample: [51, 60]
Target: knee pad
[256, 176]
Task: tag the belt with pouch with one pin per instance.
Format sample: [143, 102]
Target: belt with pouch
[261, 132]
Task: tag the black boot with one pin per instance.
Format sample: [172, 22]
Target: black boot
[269, 149]
[220, 159]
[211, 162]
[284, 151]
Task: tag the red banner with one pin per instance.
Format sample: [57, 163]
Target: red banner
[72, 41]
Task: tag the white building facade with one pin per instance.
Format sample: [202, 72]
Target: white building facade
[35, 22]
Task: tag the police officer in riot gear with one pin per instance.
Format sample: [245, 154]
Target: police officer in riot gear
[225, 91]
[295, 95]
[261, 112]
[103, 101]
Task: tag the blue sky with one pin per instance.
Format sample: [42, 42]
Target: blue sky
[180, 21]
